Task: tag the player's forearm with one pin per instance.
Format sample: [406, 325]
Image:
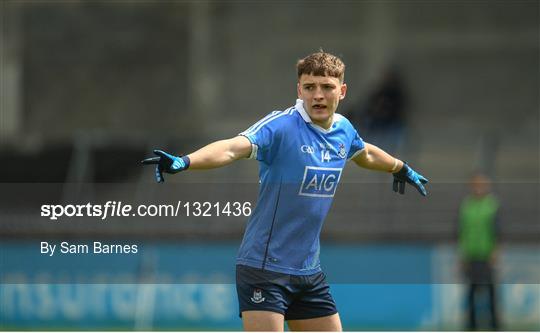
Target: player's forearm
[374, 158]
[219, 153]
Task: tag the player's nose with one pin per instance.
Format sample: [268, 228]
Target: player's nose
[318, 94]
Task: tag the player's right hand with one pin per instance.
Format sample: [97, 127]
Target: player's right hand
[167, 163]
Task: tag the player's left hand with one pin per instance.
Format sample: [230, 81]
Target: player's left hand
[407, 175]
[167, 163]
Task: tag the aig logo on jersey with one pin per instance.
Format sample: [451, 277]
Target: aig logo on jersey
[320, 182]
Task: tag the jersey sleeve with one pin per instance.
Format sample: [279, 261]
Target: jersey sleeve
[357, 145]
[262, 136]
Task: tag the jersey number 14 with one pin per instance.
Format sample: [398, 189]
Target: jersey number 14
[325, 156]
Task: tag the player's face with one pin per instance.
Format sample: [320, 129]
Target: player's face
[321, 96]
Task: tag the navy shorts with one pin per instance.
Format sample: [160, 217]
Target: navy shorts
[294, 296]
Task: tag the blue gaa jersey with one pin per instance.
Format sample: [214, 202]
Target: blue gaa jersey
[300, 167]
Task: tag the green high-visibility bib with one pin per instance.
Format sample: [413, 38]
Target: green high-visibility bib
[477, 227]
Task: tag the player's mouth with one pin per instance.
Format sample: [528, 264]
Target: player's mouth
[318, 107]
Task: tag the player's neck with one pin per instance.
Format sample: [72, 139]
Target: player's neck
[324, 124]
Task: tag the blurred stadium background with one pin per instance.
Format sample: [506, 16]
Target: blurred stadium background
[89, 88]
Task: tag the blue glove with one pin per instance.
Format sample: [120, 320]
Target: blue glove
[408, 175]
[167, 163]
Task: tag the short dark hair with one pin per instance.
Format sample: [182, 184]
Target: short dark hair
[321, 64]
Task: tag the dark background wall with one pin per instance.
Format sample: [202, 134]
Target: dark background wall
[90, 87]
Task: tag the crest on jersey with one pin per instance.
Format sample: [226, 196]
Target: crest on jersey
[342, 152]
[257, 296]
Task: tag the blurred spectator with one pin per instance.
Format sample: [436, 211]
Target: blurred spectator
[477, 245]
[382, 119]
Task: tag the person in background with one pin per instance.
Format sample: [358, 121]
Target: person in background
[382, 117]
[478, 236]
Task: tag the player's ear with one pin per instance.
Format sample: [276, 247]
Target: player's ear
[343, 91]
[298, 89]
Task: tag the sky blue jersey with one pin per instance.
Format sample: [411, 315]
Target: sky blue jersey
[300, 165]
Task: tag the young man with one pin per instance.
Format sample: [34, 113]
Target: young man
[301, 153]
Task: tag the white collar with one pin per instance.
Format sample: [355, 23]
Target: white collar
[300, 107]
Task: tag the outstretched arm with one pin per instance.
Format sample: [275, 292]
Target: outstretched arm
[220, 153]
[214, 155]
[374, 158]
